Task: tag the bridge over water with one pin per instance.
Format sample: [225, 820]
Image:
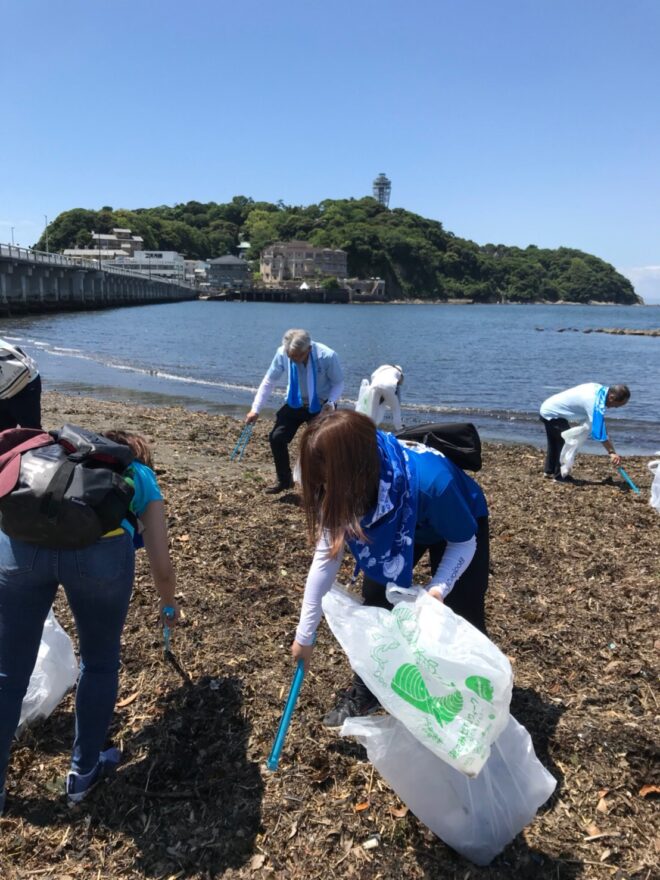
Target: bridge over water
[34, 281]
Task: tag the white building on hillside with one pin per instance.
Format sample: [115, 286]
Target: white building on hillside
[164, 264]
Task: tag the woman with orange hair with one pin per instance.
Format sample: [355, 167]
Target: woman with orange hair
[390, 502]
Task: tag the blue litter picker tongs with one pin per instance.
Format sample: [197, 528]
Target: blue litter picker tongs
[274, 758]
[625, 476]
[241, 443]
[168, 616]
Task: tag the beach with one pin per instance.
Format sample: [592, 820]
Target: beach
[573, 603]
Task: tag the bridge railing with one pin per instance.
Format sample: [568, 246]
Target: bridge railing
[15, 252]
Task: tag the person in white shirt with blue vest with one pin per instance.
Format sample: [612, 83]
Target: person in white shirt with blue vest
[588, 403]
[315, 381]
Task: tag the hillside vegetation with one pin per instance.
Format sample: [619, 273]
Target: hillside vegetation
[417, 257]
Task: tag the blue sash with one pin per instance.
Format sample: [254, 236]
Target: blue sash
[387, 554]
[294, 397]
[598, 429]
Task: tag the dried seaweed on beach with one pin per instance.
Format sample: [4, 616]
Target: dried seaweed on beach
[573, 602]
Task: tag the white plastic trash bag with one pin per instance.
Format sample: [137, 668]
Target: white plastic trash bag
[574, 440]
[654, 467]
[366, 402]
[55, 672]
[431, 669]
[476, 817]
[371, 402]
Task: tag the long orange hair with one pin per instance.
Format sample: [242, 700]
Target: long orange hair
[340, 469]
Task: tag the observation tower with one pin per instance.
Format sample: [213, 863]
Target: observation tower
[382, 189]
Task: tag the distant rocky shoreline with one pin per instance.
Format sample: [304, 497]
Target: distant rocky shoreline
[613, 331]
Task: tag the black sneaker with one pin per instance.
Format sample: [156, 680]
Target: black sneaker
[282, 486]
[354, 702]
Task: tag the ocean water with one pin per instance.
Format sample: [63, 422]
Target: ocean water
[491, 364]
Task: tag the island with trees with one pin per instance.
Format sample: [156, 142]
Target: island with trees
[417, 257]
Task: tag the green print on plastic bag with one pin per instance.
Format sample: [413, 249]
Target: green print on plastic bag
[377, 655]
[409, 684]
[481, 686]
[408, 624]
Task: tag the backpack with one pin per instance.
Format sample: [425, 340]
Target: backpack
[63, 489]
[460, 442]
[16, 370]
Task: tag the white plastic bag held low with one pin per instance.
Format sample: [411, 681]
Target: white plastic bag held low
[476, 817]
[574, 440]
[654, 467]
[55, 671]
[431, 669]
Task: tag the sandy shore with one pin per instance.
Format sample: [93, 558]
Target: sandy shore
[573, 601]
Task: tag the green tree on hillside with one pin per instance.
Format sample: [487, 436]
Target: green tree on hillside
[415, 256]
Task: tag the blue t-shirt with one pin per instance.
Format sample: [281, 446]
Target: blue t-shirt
[146, 491]
[449, 502]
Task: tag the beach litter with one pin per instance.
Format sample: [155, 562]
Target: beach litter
[654, 467]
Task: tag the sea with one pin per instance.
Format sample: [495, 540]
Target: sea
[489, 364]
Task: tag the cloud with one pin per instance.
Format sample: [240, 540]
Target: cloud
[646, 281]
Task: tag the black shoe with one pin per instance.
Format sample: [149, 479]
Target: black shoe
[354, 702]
[280, 487]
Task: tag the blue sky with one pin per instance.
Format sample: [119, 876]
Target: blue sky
[511, 121]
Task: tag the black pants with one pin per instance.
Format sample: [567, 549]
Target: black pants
[553, 430]
[468, 595]
[22, 409]
[287, 422]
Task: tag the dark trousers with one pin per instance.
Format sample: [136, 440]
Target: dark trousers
[468, 595]
[22, 409]
[553, 430]
[287, 422]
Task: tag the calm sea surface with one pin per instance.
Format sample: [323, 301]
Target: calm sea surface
[491, 364]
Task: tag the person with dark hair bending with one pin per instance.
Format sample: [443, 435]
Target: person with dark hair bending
[588, 401]
[390, 502]
[98, 582]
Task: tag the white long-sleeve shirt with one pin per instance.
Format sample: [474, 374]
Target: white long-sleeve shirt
[17, 369]
[329, 376]
[385, 381]
[325, 567]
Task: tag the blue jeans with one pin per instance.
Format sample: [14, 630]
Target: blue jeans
[98, 582]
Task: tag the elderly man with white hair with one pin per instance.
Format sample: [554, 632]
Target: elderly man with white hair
[315, 381]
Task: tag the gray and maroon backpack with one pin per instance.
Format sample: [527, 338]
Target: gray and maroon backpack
[63, 489]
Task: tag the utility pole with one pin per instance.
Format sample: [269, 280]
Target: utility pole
[12, 236]
[46, 220]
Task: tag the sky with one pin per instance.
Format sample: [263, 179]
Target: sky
[511, 121]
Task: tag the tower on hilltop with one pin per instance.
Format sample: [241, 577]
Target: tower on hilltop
[382, 189]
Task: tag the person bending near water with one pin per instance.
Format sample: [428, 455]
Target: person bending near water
[390, 502]
[315, 382]
[588, 401]
[385, 384]
[98, 581]
[20, 389]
